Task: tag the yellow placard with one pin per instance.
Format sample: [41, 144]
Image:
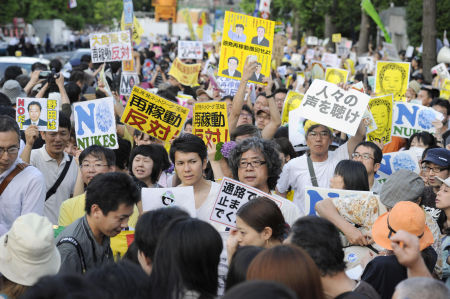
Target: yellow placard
[336, 38]
[335, 75]
[153, 115]
[445, 90]
[245, 36]
[137, 29]
[186, 74]
[392, 78]
[210, 122]
[292, 102]
[381, 109]
[128, 66]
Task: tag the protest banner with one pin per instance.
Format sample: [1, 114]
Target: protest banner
[381, 110]
[128, 66]
[136, 29]
[409, 52]
[369, 121]
[392, 78]
[128, 12]
[445, 89]
[153, 115]
[329, 105]
[411, 118]
[342, 50]
[127, 82]
[395, 161]
[336, 38]
[95, 123]
[246, 36]
[110, 46]
[43, 113]
[315, 194]
[182, 197]
[232, 196]
[147, 69]
[391, 52]
[190, 49]
[296, 130]
[210, 122]
[292, 102]
[310, 54]
[186, 74]
[318, 70]
[330, 59]
[335, 75]
[186, 101]
[441, 70]
[312, 41]
[228, 86]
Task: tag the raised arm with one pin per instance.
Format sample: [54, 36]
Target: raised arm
[275, 120]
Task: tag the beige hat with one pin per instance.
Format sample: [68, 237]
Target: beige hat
[415, 86]
[28, 251]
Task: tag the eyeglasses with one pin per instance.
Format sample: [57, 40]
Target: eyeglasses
[254, 164]
[96, 166]
[434, 169]
[11, 151]
[246, 115]
[363, 156]
[321, 134]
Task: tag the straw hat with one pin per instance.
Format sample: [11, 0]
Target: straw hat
[28, 251]
[407, 216]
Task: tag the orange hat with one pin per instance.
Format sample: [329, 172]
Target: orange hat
[407, 216]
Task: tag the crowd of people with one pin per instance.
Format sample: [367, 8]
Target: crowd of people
[72, 222]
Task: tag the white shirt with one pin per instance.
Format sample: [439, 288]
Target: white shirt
[296, 175]
[51, 171]
[289, 210]
[24, 194]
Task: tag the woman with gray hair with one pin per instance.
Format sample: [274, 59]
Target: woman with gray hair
[256, 162]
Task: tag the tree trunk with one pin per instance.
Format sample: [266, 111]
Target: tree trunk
[363, 40]
[295, 32]
[429, 38]
[329, 28]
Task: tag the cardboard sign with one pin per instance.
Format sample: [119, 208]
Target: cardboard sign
[190, 49]
[329, 105]
[44, 113]
[395, 161]
[110, 46]
[211, 122]
[228, 86]
[412, 118]
[186, 74]
[232, 196]
[315, 194]
[292, 102]
[296, 129]
[153, 115]
[381, 110]
[335, 75]
[182, 197]
[95, 123]
[441, 70]
[336, 38]
[392, 78]
[245, 36]
[127, 82]
[330, 59]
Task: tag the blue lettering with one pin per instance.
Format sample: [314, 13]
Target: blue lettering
[385, 165]
[87, 119]
[404, 112]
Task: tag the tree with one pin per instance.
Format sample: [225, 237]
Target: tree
[429, 37]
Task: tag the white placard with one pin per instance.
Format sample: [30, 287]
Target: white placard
[190, 49]
[330, 59]
[310, 54]
[95, 123]
[127, 82]
[395, 161]
[408, 119]
[110, 46]
[182, 197]
[441, 70]
[409, 51]
[329, 105]
[296, 130]
[232, 196]
[44, 113]
[312, 40]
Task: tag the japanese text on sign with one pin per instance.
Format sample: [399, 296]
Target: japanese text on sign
[329, 105]
[110, 46]
[211, 122]
[232, 196]
[42, 113]
[190, 49]
[186, 74]
[156, 116]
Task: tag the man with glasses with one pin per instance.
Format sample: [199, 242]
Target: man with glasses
[25, 192]
[436, 164]
[369, 154]
[59, 169]
[297, 174]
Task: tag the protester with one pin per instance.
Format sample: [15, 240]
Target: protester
[369, 154]
[350, 175]
[147, 164]
[258, 288]
[85, 243]
[240, 261]
[436, 164]
[421, 287]
[443, 203]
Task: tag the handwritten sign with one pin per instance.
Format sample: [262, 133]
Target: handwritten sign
[412, 118]
[95, 123]
[43, 113]
[182, 197]
[246, 36]
[190, 49]
[211, 122]
[329, 105]
[232, 196]
[153, 115]
[395, 161]
[110, 46]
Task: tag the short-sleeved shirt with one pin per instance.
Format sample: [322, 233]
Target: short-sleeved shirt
[296, 175]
